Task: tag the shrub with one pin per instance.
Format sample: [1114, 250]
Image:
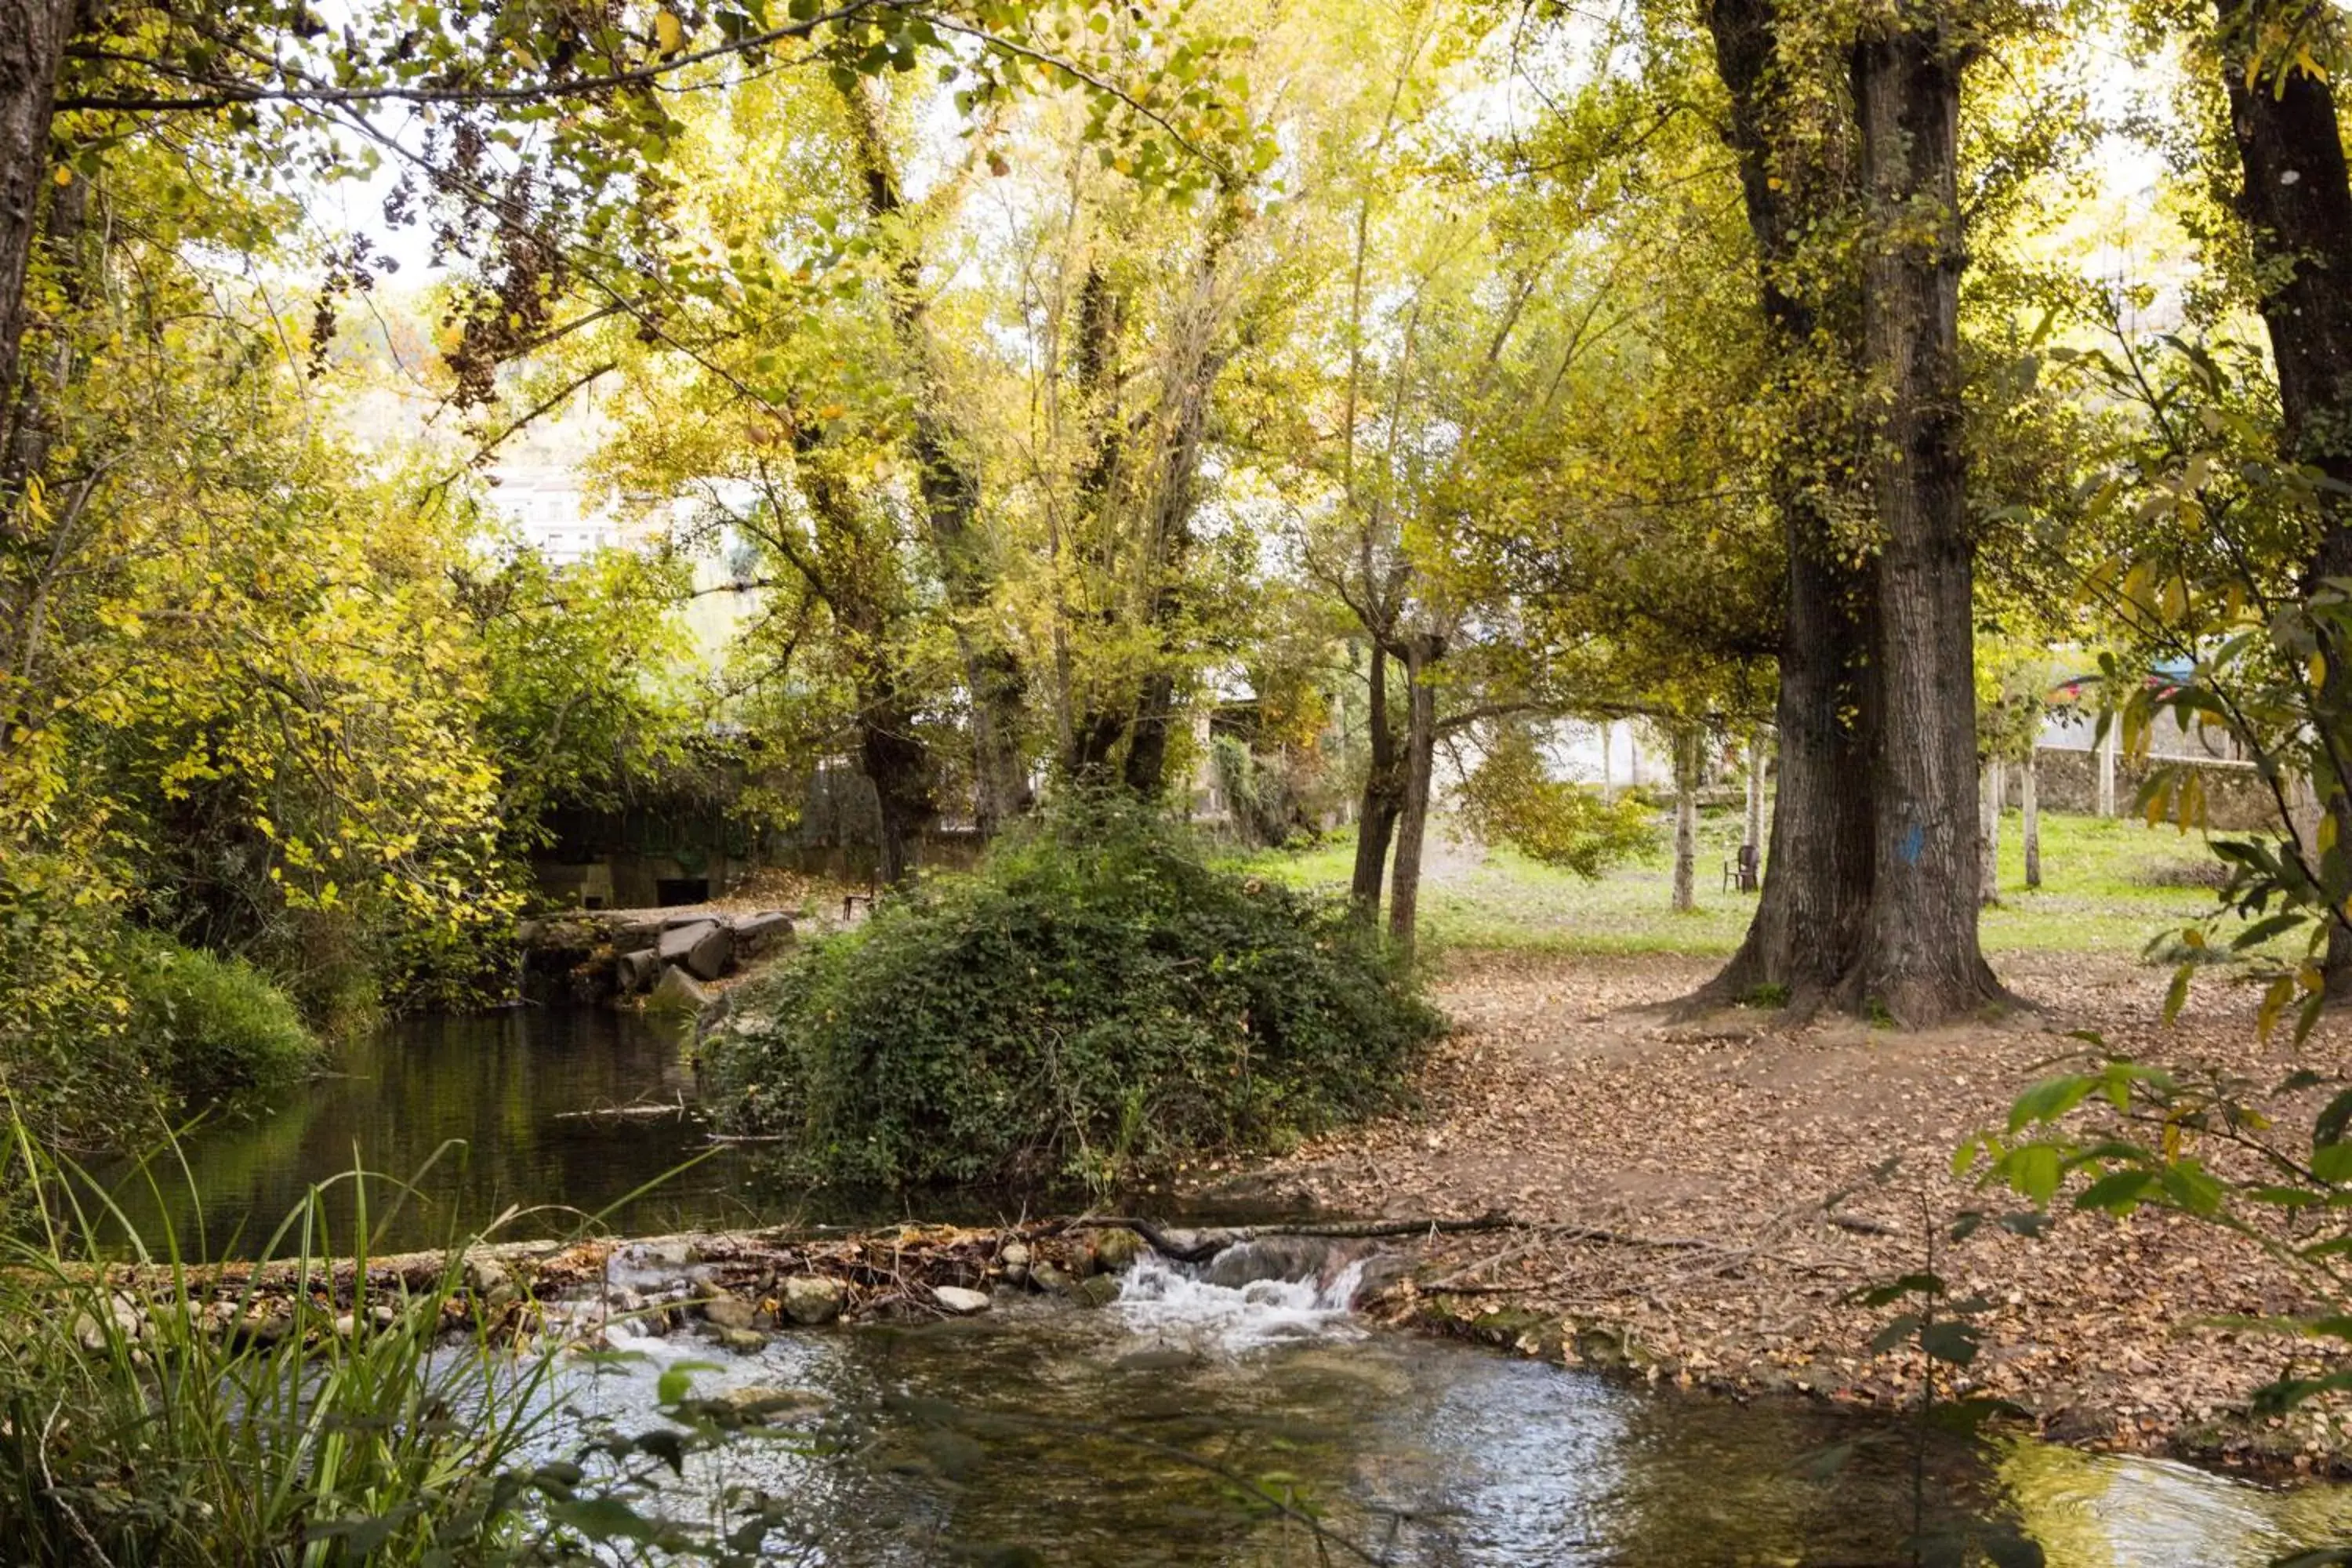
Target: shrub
[213, 1025]
[1096, 994]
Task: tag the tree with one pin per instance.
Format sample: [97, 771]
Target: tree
[2294, 197]
[1798, 182]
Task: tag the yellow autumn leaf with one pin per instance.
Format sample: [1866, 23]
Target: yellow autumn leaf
[669, 32]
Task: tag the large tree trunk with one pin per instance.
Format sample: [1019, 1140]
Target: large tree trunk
[1919, 962]
[1817, 869]
[1421, 653]
[32, 44]
[1384, 797]
[949, 486]
[892, 755]
[2297, 199]
[1817, 872]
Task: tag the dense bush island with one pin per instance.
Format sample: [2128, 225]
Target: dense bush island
[211, 1025]
[1094, 995]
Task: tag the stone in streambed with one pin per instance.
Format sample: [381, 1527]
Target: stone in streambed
[679, 991]
[730, 1312]
[963, 1303]
[1096, 1290]
[1116, 1249]
[755, 934]
[1014, 1260]
[758, 1403]
[742, 1341]
[636, 970]
[811, 1299]
[1049, 1277]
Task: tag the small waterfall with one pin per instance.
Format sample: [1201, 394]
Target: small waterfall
[1181, 1301]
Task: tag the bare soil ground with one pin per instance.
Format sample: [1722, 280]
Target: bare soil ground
[1725, 1170]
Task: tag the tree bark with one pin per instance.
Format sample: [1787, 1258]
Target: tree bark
[1920, 962]
[1384, 797]
[1422, 652]
[2295, 197]
[32, 46]
[1686, 740]
[1817, 867]
[950, 487]
[2029, 804]
[894, 758]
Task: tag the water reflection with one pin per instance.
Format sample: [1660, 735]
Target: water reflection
[2097, 1511]
[508, 1089]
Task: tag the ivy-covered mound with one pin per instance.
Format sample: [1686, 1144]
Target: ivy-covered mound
[1097, 995]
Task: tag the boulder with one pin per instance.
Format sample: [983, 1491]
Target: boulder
[1281, 1258]
[742, 1341]
[810, 1300]
[677, 940]
[1049, 1277]
[1096, 1290]
[754, 934]
[708, 958]
[1116, 1249]
[730, 1312]
[1014, 1258]
[758, 1403]
[636, 970]
[963, 1303]
[679, 991]
[636, 936]
[492, 1283]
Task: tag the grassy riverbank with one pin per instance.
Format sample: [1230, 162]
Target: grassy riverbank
[2108, 884]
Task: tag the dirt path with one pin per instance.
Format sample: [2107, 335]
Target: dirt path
[1709, 1153]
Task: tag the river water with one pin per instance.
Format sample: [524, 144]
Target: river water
[1148, 1432]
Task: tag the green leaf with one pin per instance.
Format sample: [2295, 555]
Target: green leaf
[1954, 1344]
[2050, 1100]
[678, 1379]
[2118, 1191]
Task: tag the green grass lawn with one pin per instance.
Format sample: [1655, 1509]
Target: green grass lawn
[2109, 885]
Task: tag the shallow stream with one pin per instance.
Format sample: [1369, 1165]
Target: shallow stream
[1154, 1430]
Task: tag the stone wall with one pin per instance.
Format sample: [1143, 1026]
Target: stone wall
[2236, 799]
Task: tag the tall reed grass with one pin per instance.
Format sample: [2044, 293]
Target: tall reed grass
[150, 1417]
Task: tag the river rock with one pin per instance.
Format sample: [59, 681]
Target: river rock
[636, 936]
[1116, 1249]
[677, 940]
[729, 1312]
[963, 1303]
[636, 970]
[1280, 1258]
[811, 1299]
[708, 958]
[756, 934]
[742, 1341]
[1015, 1259]
[492, 1283]
[680, 991]
[1095, 1290]
[758, 1403]
[1049, 1277]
